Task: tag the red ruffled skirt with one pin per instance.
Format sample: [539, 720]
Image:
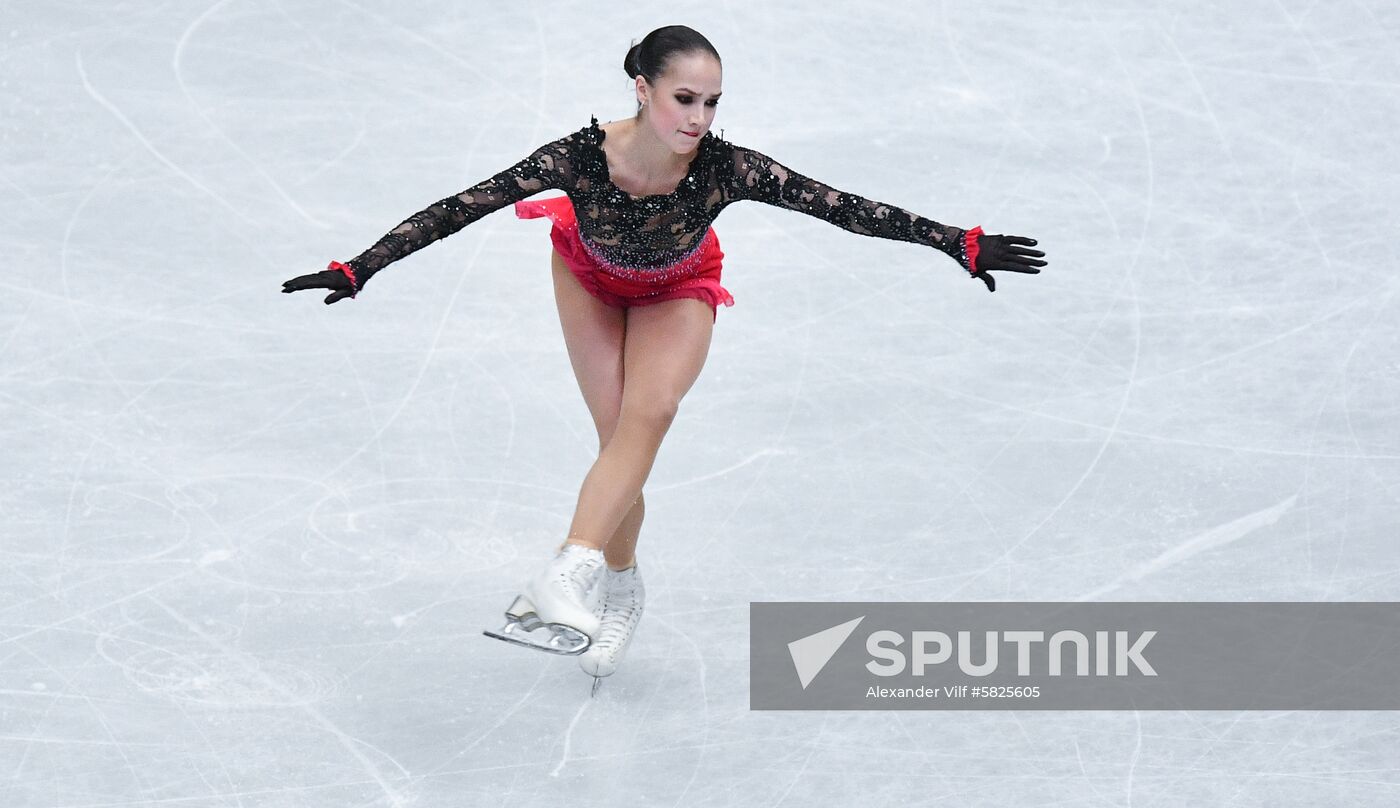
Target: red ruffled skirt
[697, 275]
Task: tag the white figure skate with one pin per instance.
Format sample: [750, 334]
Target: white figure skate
[553, 613]
[619, 610]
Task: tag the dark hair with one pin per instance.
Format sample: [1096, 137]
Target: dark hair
[649, 57]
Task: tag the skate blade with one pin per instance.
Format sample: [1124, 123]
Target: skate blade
[551, 638]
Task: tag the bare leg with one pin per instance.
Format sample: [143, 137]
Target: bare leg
[665, 348]
[594, 334]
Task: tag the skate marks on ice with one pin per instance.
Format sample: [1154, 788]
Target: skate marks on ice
[569, 737]
[167, 662]
[649, 671]
[1216, 537]
[171, 655]
[396, 531]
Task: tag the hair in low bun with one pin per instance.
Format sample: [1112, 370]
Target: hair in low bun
[629, 62]
[649, 57]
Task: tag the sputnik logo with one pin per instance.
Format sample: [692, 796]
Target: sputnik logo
[811, 653]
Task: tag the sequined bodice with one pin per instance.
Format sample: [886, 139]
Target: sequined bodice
[652, 232]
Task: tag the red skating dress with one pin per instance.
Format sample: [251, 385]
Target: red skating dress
[696, 274]
[633, 251]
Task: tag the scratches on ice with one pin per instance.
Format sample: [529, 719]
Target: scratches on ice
[569, 739]
[1218, 536]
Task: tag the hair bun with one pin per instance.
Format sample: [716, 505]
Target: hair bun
[651, 57]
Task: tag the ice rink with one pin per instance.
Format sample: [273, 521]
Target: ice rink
[250, 541]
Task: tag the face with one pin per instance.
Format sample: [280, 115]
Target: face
[683, 100]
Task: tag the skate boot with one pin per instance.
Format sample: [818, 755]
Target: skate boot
[553, 614]
[623, 598]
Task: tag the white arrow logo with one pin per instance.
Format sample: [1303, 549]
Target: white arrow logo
[811, 653]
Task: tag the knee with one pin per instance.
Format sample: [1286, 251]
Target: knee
[653, 413]
[607, 427]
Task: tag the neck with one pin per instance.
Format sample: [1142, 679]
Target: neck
[650, 152]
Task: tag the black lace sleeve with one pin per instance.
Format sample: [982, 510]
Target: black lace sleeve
[759, 177]
[549, 166]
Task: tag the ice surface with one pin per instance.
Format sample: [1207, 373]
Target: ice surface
[250, 541]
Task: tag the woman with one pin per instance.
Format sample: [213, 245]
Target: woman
[636, 268]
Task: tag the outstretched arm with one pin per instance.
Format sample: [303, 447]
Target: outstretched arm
[547, 167]
[761, 178]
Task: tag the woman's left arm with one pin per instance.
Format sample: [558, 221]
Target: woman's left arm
[759, 177]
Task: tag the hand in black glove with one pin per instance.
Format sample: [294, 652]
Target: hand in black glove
[1002, 254]
[335, 279]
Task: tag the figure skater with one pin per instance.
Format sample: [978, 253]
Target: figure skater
[636, 268]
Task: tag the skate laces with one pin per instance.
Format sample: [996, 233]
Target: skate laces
[577, 569]
[622, 608]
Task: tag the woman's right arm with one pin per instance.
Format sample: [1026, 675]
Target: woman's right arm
[547, 167]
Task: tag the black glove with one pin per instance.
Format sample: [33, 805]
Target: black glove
[337, 278]
[983, 254]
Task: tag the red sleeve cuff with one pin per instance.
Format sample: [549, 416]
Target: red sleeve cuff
[971, 249]
[349, 273]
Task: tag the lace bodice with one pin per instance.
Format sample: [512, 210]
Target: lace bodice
[653, 232]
